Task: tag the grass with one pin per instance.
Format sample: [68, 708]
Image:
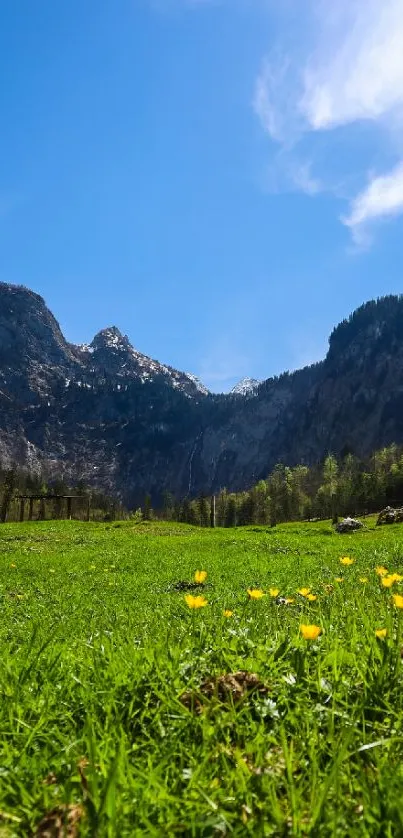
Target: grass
[97, 646]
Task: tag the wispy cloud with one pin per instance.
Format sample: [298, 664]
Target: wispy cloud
[301, 176]
[346, 68]
[287, 173]
[273, 78]
[356, 71]
[382, 197]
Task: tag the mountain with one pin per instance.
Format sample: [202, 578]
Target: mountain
[245, 386]
[112, 352]
[108, 415]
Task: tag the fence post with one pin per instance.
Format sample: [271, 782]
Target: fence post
[22, 506]
[31, 509]
[69, 508]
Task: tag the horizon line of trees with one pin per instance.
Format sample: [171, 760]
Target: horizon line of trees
[342, 486]
[50, 498]
[336, 487]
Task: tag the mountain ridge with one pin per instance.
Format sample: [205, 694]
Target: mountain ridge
[113, 417]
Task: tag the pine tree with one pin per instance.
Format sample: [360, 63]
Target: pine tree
[168, 506]
[8, 490]
[204, 511]
[231, 512]
[147, 509]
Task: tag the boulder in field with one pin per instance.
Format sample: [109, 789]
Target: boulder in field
[349, 525]
[390, 516]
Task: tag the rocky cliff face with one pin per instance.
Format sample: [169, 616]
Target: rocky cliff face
[108, 415]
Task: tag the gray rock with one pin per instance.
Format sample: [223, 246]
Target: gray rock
[349, 525]
[390, 516]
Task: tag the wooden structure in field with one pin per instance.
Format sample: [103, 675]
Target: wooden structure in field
[59, 501]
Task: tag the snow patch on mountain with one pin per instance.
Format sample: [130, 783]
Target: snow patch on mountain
[245, 387]
[198, 384]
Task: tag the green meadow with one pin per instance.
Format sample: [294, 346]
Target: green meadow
[114, 720]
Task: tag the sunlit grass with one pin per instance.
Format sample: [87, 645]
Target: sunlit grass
[99, 642]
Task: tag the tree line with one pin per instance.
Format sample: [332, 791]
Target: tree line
[50, 498]
[336, 487]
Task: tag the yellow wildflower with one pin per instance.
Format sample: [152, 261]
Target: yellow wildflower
[13, 565]
[398, 600]
[195, 601]
[310, 632]
[345, 560]
[227, 612]
[396, 577]
[364, 579]
[289, 600]
[200, 576]
[387, 581]
[274, 592]
[311, 597]
[381, 633]
[92, 567]
[339, 579]
[304, 591]
[381, 571]
[255, 593]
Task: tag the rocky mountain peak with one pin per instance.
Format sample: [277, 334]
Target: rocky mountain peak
[34, 354]
[33, 350]
[376, 325]
[111, 338]
[112, 351]
[245, 386]
[28, 328]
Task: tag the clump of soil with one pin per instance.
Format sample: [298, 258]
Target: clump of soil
[187, 586]
[61, 822]
[229, 688]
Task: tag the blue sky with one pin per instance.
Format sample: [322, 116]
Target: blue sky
[222, 179]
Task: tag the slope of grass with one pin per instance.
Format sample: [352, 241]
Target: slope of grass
[98, 645]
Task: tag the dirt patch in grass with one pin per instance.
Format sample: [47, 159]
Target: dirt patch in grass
[61, 822]
[228, 688]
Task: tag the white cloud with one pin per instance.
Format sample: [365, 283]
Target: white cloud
[356, 72]
[345, 67]
[273, 76]
[382, 197]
